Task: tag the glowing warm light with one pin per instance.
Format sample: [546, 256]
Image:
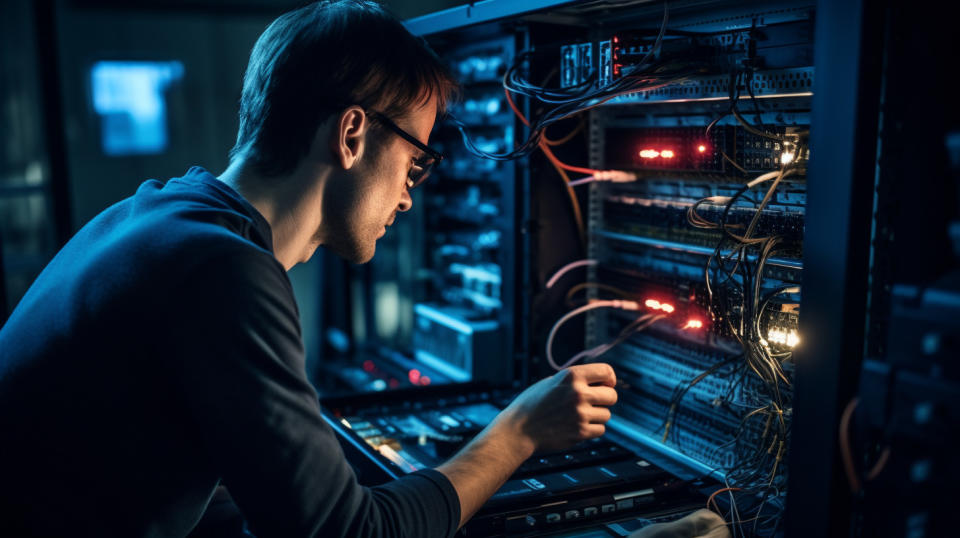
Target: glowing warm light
[424, 380]
[414, 376]
[654, 304]
[793, 339]
[784, 338]
[649, 154]
[693, 324]
[667, 154]
[701, 148]
[786, 157]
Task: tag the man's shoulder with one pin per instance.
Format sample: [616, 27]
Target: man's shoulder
[168, 234]
[193, 218]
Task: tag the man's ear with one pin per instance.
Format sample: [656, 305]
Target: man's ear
[349, 136]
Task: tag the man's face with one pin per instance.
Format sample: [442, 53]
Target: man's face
[363, 201]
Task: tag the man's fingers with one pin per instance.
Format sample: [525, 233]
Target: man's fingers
[597, 415]
[589, 431]
[602, 395]
[597, 372]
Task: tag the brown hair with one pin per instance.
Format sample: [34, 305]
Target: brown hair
[316, 60]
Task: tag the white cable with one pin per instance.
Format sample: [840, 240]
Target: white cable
[613, 176]
[592, 305]
[771, 175]
[567, 268]
[645, 321]
[582, 181]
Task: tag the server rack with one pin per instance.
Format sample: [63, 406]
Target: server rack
[833, 96]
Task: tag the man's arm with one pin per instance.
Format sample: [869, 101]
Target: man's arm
[237, 381]
[556, 412]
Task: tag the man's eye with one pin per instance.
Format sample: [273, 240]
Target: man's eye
[416, 170]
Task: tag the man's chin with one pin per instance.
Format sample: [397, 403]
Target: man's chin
[356, 255]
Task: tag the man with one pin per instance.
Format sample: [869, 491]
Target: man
[159, 352]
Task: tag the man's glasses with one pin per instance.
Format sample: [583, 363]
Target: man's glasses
[422, 166]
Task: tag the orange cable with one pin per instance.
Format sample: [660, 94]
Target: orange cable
[844, 440]
[543, 144]
[714, 494]
[574, 201]
[881, 463]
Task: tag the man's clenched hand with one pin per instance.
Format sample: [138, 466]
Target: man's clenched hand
[565, 408]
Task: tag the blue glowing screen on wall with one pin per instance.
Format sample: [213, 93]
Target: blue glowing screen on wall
[130, 98]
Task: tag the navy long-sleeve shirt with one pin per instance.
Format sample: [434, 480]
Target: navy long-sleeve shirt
[160, 352]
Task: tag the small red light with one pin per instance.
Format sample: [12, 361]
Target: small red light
[393, 383]
[693, 324]
[667, 154]
[368, 366]
[414, 376]
[701, 148]
[616, 39]
[649, 154]
[654, 304]
[424, 380]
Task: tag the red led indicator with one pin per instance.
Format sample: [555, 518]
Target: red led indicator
[368, 366]
[414, 376]
[654, 304]
[667, 154]
[424, 380]
[693, 324]
[649, 154]
[701, 148]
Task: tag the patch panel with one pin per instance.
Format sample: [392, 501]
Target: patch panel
[692, 318]
[612, 241]
[764, 84]
[658, 376]
[779, 56]
[672, 187]
[672, 365]
[691, 149]
[668, 220]
[713, 443]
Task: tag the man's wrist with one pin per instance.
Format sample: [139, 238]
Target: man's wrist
[510, 429]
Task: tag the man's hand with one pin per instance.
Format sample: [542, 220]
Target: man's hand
[700, 524]
[559, 411]
[563, 409]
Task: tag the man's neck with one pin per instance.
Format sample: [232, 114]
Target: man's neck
[282, 201]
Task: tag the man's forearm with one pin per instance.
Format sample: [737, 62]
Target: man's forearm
[479, 470]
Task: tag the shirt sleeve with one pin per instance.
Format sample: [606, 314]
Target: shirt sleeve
[240, 379]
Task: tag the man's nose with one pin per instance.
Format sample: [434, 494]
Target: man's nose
[406, 202]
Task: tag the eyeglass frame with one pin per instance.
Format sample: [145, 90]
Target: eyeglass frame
[427, 167]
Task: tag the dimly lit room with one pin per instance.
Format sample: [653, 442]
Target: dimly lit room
[565, 268]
